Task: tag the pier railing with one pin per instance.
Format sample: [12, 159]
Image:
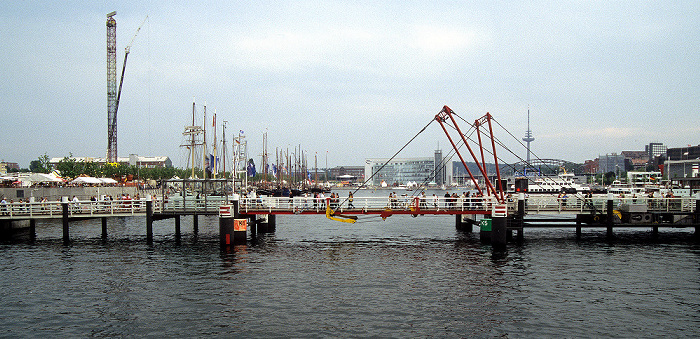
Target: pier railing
[318, 205]
[54, 209]
[553, 204]
[535, 204]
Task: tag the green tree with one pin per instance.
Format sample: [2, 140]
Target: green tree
[69, 167]
[92, 169]
[41, 165]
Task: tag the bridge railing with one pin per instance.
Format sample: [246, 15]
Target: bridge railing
[209, 204]
[301, 204]
[54, 209]
[547, 203]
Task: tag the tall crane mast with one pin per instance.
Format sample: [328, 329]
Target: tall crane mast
[113, 95]
[111, 88]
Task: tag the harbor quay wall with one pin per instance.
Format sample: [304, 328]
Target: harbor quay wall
[55, 193]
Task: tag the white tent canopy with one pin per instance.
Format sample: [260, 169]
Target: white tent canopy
[108, 181]
[42, 177]
[86, 180]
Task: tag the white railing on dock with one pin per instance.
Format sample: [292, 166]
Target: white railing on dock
[301, 204]
[534, 204]
[553, 204]
[54, 209]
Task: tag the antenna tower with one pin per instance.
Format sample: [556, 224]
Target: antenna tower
[528, 137]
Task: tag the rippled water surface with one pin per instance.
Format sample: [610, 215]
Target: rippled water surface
[401, 277]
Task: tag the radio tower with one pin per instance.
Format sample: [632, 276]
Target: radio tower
[528, 137]
[111, 88]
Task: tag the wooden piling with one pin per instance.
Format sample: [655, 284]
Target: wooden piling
[696, 217]
[104, 228]
[271, 223]
[520, 217]
[177, 228]
[149, 221]
[609, 221]
[578, 228]
[66, 235]
[498, 233]
[32, 230]
[460, 225]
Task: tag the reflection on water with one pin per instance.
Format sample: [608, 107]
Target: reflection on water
[396, 278]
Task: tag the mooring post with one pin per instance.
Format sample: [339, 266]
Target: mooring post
[271, 223]
[498, 233]
[66, 235]
[104, 228]
[226, 226]
[521, 216]
[177, 228]
[195, 224]
[260, 226]
[459, 224]
[696, 218]
[609, 220]
[32, 230]
[149, 220]
[499, 226]
[485, 230]
[578, 227]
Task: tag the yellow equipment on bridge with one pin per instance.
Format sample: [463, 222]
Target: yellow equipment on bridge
[330, 214]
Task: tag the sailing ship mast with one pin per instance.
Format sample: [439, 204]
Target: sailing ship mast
[213, 166]
[204, 142]
[192, 131]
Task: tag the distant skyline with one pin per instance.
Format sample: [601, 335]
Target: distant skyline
[353, 80]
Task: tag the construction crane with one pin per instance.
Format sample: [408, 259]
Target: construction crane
[113, 95]
[111, 88]
[126, 55]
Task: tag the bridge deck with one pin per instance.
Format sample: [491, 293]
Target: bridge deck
[534, 205]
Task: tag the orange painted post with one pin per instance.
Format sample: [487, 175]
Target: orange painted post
[240, 228]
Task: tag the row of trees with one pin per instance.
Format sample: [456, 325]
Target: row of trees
[72, 168]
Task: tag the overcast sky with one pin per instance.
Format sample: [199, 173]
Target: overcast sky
[351, 79]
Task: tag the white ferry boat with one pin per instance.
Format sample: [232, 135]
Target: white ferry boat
[563, 182]
[619, 188]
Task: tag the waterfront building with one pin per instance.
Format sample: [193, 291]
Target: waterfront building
[347, 173]
[682, 162]
[591, 166]
[6, 166]
[460, 176]
[638, 159]
[402, 171]
[654, 150]
[612, 162]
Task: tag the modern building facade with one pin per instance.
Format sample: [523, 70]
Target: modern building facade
[403, 171]
[655, 149]
[682, 162]
[612, 162]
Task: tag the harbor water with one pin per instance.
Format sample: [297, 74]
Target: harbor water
[402, 277]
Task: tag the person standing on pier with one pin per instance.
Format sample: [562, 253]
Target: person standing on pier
[350, 198]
